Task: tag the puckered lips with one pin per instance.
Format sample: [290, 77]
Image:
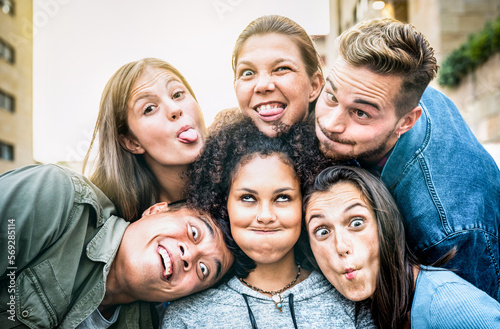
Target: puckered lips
[350, 273]
[166, 259]
[187, 135]
[270, 111]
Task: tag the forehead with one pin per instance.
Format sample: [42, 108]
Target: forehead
[336, 199]
[266, 45]
[361, 83]
[150, 76]
[257, 167]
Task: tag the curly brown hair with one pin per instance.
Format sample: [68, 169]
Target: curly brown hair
[238, 143]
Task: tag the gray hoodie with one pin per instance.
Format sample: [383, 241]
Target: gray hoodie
[312, 303]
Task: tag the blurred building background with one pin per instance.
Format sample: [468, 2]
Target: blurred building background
[447, 24]
[16, 76]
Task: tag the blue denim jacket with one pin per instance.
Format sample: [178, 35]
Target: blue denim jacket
[448, 189]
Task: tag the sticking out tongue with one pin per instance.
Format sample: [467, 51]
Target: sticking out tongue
[188, 136]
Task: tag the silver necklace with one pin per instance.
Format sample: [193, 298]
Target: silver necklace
[275, 295]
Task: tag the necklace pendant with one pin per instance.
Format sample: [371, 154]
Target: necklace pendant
[278, 301]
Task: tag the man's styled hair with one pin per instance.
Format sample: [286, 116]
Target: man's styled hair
[388, 47]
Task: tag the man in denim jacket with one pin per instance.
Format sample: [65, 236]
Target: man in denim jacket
[376, 108]
[66, 260]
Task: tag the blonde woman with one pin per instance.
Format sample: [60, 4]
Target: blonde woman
[150, 129]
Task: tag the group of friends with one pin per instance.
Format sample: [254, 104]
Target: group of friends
[359, 200]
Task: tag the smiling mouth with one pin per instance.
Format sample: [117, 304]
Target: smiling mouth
[270, 111]
[166, 262]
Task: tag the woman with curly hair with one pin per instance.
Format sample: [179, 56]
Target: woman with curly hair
[358, 238]
[254, 183]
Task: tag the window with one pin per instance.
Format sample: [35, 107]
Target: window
[6, 51]
[7, 7]
[6, 151]
[7, 101]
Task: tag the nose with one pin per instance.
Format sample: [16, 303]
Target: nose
[186, 254]
[266, 215]
[174, 111]
[343, 245]
[264, 84]
[335, 121]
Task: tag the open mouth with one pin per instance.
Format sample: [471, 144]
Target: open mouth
[187, 135]
[166, 262]
[270, 111]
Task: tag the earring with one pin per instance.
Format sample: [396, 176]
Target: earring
[399, 134]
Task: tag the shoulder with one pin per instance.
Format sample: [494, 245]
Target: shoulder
[207, 307]
[444, 299]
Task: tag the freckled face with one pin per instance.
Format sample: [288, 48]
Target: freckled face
[271, 82]
[164, 119]
[266, 188]
[169, 255]
[344, 239]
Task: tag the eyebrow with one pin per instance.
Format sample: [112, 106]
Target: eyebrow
[283, 189]
[275, 62]
[357, 100]
[146, 94]
[218, 264]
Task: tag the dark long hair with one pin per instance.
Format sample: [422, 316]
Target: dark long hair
[393, 294]
[238, 143]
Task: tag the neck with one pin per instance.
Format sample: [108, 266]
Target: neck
[172, 181]
[115, 292]
[275, 276]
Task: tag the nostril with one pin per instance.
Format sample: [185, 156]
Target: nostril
[185, 264]
[182, 250]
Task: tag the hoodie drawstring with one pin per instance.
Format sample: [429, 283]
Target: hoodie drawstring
[250, 313]
[252, 318]
[292, 310]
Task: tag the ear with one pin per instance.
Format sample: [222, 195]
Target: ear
[408, 120]
[316, 86]
[130, 144]
[156, 208]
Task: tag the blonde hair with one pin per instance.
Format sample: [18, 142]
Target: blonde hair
[389, 47]
[124, 177]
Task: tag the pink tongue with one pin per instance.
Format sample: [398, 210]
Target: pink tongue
[270, 112]
[189, 135]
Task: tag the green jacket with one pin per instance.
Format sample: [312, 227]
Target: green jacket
[58, 238]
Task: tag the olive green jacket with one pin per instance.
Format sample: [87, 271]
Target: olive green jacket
[58, 238]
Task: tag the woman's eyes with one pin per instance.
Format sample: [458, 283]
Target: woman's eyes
[283, 198]
[178, 94]
[149, 109]
[246, 73]
[357, 222]
[330, 97]
[283, 68]
[321, 232]
[247, 198]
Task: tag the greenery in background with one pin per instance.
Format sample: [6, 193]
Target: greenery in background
[478, 48]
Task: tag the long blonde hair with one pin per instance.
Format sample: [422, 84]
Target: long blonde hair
[124, 177]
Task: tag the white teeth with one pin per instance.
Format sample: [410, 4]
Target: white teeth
[166, 261]
[266, 107]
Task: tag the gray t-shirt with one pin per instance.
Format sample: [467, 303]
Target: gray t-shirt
[96, 321]
[312, 303]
